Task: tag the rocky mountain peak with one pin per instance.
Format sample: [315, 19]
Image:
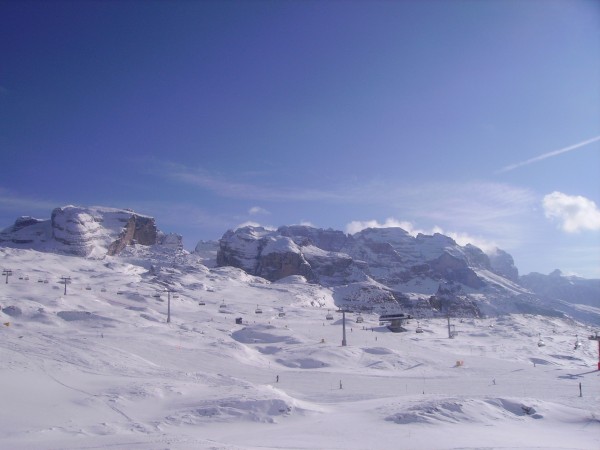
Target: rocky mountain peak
[86, 231]
[388, 263]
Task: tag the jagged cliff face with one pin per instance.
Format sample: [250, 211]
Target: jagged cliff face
[260, 252]
[328, 240]
[387, 265]
[390, 255]
[89, 232]
[142, 230]
[503, 264]
[393, 257]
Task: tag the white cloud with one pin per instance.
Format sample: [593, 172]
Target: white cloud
[574, 212]
[255, 210]
[461, 238]
[487, 246]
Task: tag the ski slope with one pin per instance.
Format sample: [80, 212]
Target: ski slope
[100, 367]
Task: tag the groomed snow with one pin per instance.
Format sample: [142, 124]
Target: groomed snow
[101, 368]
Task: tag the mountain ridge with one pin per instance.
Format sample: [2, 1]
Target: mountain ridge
[377, 269]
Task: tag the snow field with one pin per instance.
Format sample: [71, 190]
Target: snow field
[101, 368]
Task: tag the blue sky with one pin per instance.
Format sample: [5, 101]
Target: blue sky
[477, 119]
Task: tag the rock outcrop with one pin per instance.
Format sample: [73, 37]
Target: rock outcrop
[140, 229]
[88, 232]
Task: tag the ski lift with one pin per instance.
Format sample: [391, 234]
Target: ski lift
[258, 310]
[329, 316]
[577, 342]
[359, 319]
[419, 329]
[541, 342]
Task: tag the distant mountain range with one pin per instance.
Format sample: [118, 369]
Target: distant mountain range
[378, 268]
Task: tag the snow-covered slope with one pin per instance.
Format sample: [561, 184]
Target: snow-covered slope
[100, 367]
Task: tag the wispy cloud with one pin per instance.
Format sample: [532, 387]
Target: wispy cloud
[488, 246]
[256, 210]
[11, 201]
[574, 212]
[475, 200]
[548, 155]
[477, 207]
[233, 189]
[490, 209]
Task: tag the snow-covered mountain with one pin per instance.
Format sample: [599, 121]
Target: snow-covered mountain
[388, 255]
[575, 296]
[86, 231]
[382, 269]
[385, 268]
